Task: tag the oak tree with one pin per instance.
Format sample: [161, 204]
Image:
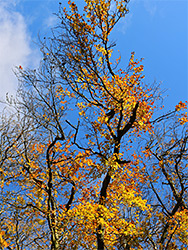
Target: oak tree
[87, 162]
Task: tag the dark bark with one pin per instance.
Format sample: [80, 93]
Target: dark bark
[106, 181]
[51, 202]
[100, 240]
[68, 205]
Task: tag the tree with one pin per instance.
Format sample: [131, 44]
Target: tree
[88, 150]
[167, 152]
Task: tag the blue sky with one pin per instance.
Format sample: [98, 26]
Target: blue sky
[155, 30]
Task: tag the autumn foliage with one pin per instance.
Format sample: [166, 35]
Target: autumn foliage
[88, 158]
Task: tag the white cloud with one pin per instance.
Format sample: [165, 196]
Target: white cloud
[151, 7]
[15, 48]
[125, 23]
[51, 21]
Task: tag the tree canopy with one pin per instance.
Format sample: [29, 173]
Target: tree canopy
[89, 159]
